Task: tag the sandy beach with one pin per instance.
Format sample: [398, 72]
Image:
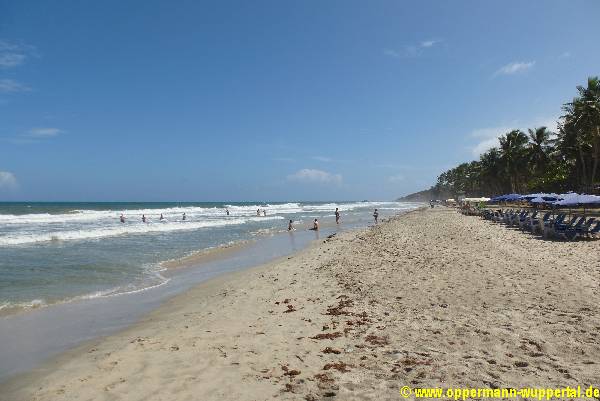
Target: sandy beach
[430, 298]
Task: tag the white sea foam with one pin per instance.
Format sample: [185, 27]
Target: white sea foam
[97, 224]
[129, 289]
[118, 229]
[10, 307]
[21, 234]
[150, 279]
[175, 213]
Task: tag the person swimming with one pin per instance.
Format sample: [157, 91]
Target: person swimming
[375, 215]
[143, 218]
[337, 216]
[184, 217]
[291, 225]
[122, 218]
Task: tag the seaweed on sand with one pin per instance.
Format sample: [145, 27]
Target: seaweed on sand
[327, 336]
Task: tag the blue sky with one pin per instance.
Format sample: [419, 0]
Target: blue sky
[273, 100]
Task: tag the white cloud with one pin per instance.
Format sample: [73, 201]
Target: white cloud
[488, 137]
[396, 178]
[8, 60]
[486, 145]
[429, 43]
[391, 53]
[34, 135]
[9, 86]
[14, 54]
[6, 46]
[410, 50]
[43, 132]
[514, 68]
[8, 181]
[322, 159]
[565, 55]
[308, 175]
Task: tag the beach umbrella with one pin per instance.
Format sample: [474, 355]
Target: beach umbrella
[567, 195]
[548, 200]
[512, 197]
[506, 198]
[577, 199]
[545, 199]
[540, 195]
[530, 196]
[590, 200]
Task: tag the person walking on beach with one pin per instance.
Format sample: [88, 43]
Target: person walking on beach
[143, 218]
[122, 218]
[184, 216]
[375, 215]
[337, 216]
[290, 226]
[431, 204]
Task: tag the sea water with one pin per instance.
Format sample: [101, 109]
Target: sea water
[61, 252]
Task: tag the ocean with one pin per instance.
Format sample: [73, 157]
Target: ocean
[63, 252]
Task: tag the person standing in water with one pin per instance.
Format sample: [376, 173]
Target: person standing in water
[227, 212]
[161, 217]
[122, 218]
[258, 212]
[337, 216]
[265, 212]
[143, 218]
[184, 216]
[375, 215]
[290, 226]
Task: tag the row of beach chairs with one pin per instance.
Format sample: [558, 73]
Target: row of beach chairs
[547, 225]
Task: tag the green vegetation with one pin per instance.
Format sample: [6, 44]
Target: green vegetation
[537, 161]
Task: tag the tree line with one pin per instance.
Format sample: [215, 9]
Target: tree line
[537, 160]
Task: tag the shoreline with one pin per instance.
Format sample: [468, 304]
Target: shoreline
[429, 298]
[168, 267]
[147, 272]
[210, 287]
[73, 323]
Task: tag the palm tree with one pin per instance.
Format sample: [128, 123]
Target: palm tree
[538, 148]
[570, 161]
[570, 144]
[491, 176]
[513, 156]
[569, 149]
[587, 120]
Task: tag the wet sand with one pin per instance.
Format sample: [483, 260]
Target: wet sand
[206, 255]
[431, 298]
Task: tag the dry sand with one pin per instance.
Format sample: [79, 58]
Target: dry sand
[432, 298]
